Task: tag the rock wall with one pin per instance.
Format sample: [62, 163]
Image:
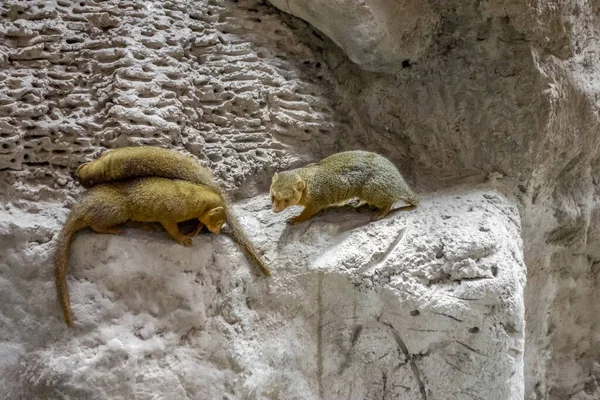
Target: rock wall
[222, 80]
[454, 93]
[505, 91]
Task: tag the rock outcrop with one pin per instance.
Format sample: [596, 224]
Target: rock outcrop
[505, 90]
[426, 304]
[379, 36]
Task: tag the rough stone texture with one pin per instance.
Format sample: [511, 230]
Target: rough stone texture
[503, 92]
[78, 77]
[378, 35]
[426, 304]
[507, 90]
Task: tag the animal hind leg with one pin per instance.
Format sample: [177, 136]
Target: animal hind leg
[111, 230]
[374, 198]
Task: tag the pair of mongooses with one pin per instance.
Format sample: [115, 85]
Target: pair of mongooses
[338, 178]
[177, 188]
[146, 184]
[135, 162]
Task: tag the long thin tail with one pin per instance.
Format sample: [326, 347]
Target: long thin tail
[205, 177]
[61, 264]
[413, 198]
[239, 236]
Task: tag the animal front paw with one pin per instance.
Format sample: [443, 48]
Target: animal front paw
[185, 241]
[379, 215]
[294, 220]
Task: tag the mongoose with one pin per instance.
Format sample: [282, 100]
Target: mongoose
[338, 178]
[153, 199]
[137, 162]
[131, 162]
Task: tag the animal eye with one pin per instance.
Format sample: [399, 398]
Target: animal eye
[286, 201]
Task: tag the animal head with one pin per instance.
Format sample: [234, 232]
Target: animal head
[93, 172]
[213, 219]
[286, 190]
[84, 176]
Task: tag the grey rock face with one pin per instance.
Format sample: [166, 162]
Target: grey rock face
[507, 90]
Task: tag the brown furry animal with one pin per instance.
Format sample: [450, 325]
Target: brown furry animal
[134, 162]
[338, 178]
[105, 206]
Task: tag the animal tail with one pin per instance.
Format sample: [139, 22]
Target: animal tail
[61, 263]
[204, 176]
[238, 235]
[412, 198]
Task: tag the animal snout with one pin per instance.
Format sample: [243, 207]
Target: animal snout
[214, 229]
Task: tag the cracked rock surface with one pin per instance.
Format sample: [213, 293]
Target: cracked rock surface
[426, 304]
[502, 89]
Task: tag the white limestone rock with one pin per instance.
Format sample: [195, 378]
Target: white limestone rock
[425, 304]
[506, 91]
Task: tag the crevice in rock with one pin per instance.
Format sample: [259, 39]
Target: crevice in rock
[320, 333]
[411, 359]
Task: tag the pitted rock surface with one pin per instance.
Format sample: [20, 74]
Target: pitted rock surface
[79, 77]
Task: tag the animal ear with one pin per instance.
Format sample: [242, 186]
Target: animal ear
[275, 176]
[299, 185]
[85, 164]
[216, 211]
